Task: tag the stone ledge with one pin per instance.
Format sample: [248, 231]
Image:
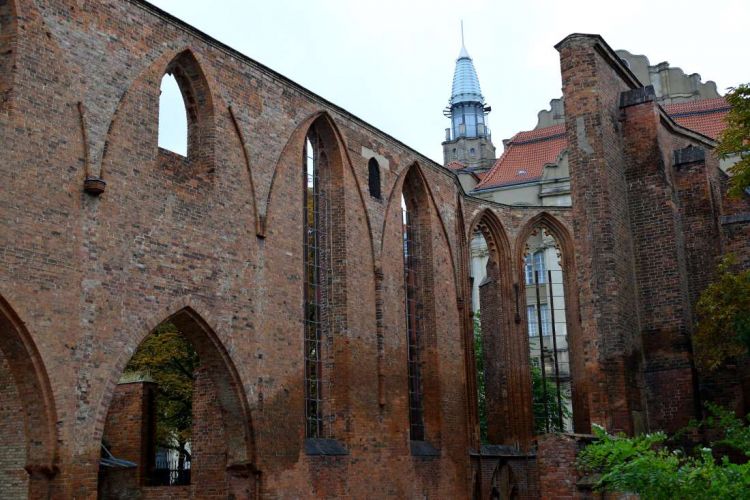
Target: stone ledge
[324, 447]
[735, 219]
[690, 154]
[637, 96]
[423, 449]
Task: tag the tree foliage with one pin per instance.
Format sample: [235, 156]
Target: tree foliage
[547, 408]
[723, 310]
[651, 466]
[481, 390]
[735, 140]
[169, 358]
[546, 415]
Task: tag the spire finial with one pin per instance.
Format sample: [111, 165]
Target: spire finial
[463, 53]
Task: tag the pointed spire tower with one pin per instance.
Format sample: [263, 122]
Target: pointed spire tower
[468, 140]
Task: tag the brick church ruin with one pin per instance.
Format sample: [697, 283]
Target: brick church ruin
[321, 273]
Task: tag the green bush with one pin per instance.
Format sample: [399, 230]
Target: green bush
[653, 467]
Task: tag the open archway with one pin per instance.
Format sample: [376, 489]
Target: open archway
[498, 347]
[549, 301]
[178, 419]
[27, 413]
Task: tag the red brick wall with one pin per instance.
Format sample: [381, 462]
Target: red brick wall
[657, 220]
[170, 233]
[556, 459]
[603, 231]
[209, 441]
[7, 51]
[14, 480]
[218, 237]
[128, 433]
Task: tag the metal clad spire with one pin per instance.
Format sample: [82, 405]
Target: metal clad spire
[465, 81]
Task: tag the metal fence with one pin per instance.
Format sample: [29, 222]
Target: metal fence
[548, 343]
[169, 470]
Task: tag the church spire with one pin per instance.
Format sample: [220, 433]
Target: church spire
[468, 138]
[465, 80]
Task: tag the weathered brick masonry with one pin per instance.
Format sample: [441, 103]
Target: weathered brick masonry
[213, 242]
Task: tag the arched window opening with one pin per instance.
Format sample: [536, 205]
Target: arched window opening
[478, 269]
[176, 417]
[374, 178]
[173, 123]
[548, 336]
[150, 425]
[317, 292]
[413, 306]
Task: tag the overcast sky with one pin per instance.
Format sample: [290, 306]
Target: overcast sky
[391, 62]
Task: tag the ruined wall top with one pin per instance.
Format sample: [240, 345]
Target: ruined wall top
[672, 85]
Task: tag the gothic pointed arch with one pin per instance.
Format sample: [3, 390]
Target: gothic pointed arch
[324, 264]
[420, 328]
[198, 102]
[288, 159]
[414, 171]
[497, 341]
[25, 388]
[222, 426]
[199, 106]
[489, 224]
[546, 289]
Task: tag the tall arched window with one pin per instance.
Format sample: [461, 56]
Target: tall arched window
[548, 336]
[413, 307]
[314, 296]
[373, 178]
[324, 296]
[324, 288]
[173, 125]
[479, 256]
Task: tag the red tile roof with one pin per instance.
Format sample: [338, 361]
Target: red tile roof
[705, 116]
[527, 153]
[525, 156]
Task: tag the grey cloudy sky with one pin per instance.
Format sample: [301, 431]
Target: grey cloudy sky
[391, 62]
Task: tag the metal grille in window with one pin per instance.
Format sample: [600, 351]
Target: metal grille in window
[317, 252]
[413, 320]
[548, 349]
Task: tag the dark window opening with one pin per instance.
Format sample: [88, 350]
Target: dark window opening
[374, 178]
[317, 276]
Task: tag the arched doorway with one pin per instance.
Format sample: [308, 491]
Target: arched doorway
[178, 422]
